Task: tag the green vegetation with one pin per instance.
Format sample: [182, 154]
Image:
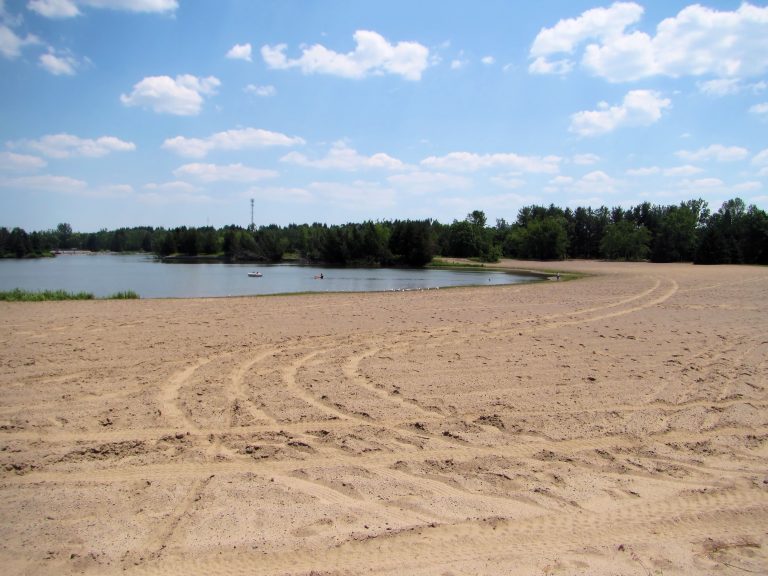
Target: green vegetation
[440, 263]
[124, 295]
[735, 234]
[19, 295]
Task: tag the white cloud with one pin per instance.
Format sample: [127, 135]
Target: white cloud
[240, 52]
[761, 158]
[686, 170]
[11, 44]
[69, 146]
[639, 108]
[647, 171]
[471, 162]
[263, 91]
[543, 66]
[510, 182]
[69, 8]
[58, 65]
[280, 194]
[175, 187]
[428, 182]
[596, 182]
[54, 8]
[716, 152]
[458, 64]
[239, 139]
[702, 183]
[46, 183]
[11, 162]
[586, 159]
[488, 60]
[360, 194]
[760, 109]
[373, 54]
[218, 173]
[65, 185]
[697, 41]
[720, 86]
[182, 96]
[342, 157]
[748, 186]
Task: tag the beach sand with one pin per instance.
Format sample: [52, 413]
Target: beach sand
[614, 424]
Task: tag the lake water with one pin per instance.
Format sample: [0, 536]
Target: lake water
[103, 275]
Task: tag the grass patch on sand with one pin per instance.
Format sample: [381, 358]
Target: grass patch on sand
[440, 263]
[19, 295]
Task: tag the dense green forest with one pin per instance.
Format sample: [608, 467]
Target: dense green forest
[736, 233]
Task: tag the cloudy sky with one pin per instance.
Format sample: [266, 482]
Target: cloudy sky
[178, 112]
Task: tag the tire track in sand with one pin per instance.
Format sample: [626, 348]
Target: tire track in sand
[169, 396]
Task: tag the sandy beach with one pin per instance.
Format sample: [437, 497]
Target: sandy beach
[614, 424]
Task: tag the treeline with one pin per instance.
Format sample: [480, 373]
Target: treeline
[736, 233]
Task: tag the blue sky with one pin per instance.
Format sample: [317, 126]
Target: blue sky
[173, 112]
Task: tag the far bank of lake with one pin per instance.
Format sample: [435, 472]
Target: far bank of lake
[105, 274]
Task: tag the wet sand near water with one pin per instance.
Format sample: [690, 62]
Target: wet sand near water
[614, 424]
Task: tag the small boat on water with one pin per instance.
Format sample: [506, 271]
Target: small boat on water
[255, 274]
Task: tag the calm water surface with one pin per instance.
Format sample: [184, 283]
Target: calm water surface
[103, 275]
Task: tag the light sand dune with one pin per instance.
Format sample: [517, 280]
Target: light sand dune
[615, 424]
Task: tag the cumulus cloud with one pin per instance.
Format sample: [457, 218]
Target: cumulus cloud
[697, 41]
[488, 60]
[281, 194]
[511, 182]
[471, 162]
[70, 8]
[69, 146]
[586, 159]
[686, 170]
[175, 187]
[263, 91]
[11, 44]
[218, 173]
[639, 108]
[646, 171]
[596, 182]
[58, 65]
[240, 52]
[181, 96]
[359, 194]
[239, 139]
[720, 86]
[46, 183]
[373, 55]
[427, 182]
[342, 157]
[760, 109]
[761, 158]
[715, 152]
[11, 162]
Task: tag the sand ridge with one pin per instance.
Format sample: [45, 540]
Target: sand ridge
[615, 424]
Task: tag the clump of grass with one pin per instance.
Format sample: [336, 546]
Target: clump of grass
[124, 295]
[439, 263]
[19, 295]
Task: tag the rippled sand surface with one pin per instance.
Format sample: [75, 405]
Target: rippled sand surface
[615, 424]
